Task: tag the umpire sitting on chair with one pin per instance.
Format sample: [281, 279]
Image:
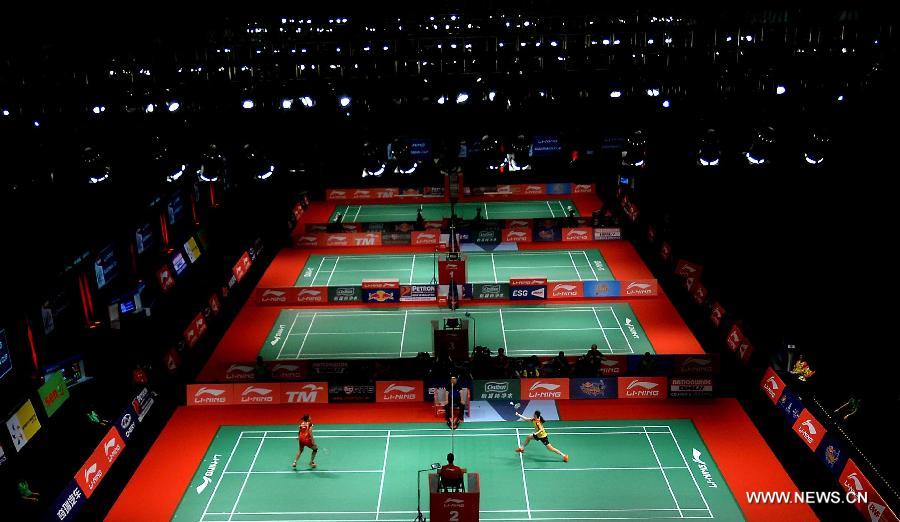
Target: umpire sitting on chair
[451, 476]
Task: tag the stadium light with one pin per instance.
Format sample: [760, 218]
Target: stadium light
[440, 100]
[811, 160]
[666, 104]
[491, 95]
[98, 109]
[653, 92]
[307, 102]
[247, 104]
[345, 101]
[175, 176]
[461, 98]
[149, 108]
[780, 90]
[266, 174]
[287, 103]
[173, 106]
[5, 112]
[36, 123]
[553, 43]
[615, 94]
[753, 160]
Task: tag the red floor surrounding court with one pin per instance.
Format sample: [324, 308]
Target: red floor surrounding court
[154, 491]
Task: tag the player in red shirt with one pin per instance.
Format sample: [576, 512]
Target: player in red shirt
[305, 438]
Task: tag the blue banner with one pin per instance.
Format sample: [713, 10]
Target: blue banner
[602, 289]
[790, 405]
[5, 357]
[126, 423]
[832, 453]
[67, 504]
[559, 188]
[593, 388]
[382, 295]
[547, 234]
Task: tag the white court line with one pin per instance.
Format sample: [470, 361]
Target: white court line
[485, 211]
[425, 311]
[665, 427]
[538, 267]
[557, 329]
[587, 469]
[575, 267]
[524, 481]
[288, 335]
[354, 332]
[403, 333]
[227, 462]
[602, 329]
[246, 478]
[306, 336]
[295, 471]
[625, 335]
[336, 261]
[313, 282]
[678, 445]
[561, 207]
[358, 208]
[665, 477]
[412, 269]
[387, 444]
[590, 264]
[502, 328]
[494, 266]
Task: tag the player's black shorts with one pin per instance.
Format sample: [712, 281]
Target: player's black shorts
[545, 440]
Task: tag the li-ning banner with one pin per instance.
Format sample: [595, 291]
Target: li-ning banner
[358, 194]
[291, 296]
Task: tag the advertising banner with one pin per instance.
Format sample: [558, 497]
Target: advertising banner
[496, 389]
[166, 278]
[545, 233]
[528, 293]
[289, 296]
[246, 372]
[288, 370]
[790, 405]
[809, 429]
[594, 289]
[351, 393]
[451, 269]
[399, 391]
[418, 293]
[53, 392]
[97, 465]
[210, 394]
[485, 236]
[22, 425]
[607, 233]
[695, 365]
[142, 403]
[350, 239]
[67, 505]
[358, 194]
[685, 268]
[516, 235]
[577, 234]
[307, 240]
[304, 393]
[613, 365]
[716, 313]
[544, 389]
[832, 453]
[593, 388]
[344, 294]
[643, 387]
[583, 188]
[257, 393]
[772, 384]
[126, 423]
[425, 237]
[565, 290]
[874, 507]
[559, 189]
[518, 223]
[382, 295]
[690, 388]
[490, 291]
[639, 288]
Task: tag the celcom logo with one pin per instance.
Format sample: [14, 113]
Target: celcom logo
[631, 328]
[92, 476]
[308, 393]
[564, 290]
[207, 475]
[544, 390]
[499, 387]
[273, 296]
[636, 288]
[254, 394]
[210, 396]
[642, 389]
[704, 469]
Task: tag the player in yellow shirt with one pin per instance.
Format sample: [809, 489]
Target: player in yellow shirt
[539, 434]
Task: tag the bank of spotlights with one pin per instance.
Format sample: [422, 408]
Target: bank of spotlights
[461, 98]
[345, 101]
[287, 103]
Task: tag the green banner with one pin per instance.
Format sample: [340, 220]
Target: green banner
[490, 291]
[487, 236]
[344, 294]
[497, 389]
[53, 392]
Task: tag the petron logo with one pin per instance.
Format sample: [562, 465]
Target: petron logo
[308, 393]
[207, 395]
[564, 290]
[278, 334]
[631, 328]
[544, 390]
[498, 387]
[704, 469]
[92, 476]
[311, 295]
[273, 296]
[636, 288]
[207, 475]
[254, 394]
[640, 389]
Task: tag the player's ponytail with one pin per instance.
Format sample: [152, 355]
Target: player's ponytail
[537, 415]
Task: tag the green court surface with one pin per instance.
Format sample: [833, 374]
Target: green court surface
[618, 470]
[402, 332]
[438, 211]
[491, 267]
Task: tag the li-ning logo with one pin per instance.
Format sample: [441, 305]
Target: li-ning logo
[336, 240]
[631, 328]
[534, 189]
[210, 470]
[239, 368]
[641, 389]
[581, 188]
[209, 396]
[338, 193]
[311, 240]
[399, 392]
[454, 503]
[636, 288]
[92, 476]
[577, 234]
[704, 469]
[544, 390]
[313, 295]
[540, 292]
[362, 194]
[425, 237]
[253, 394]
[514, 224]
[513, 235]
[285, 367]
[807, 431]
[111, 449]
[273, 296]
[697, 365]
[563, 290]
[687, 269]
[770, 386]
